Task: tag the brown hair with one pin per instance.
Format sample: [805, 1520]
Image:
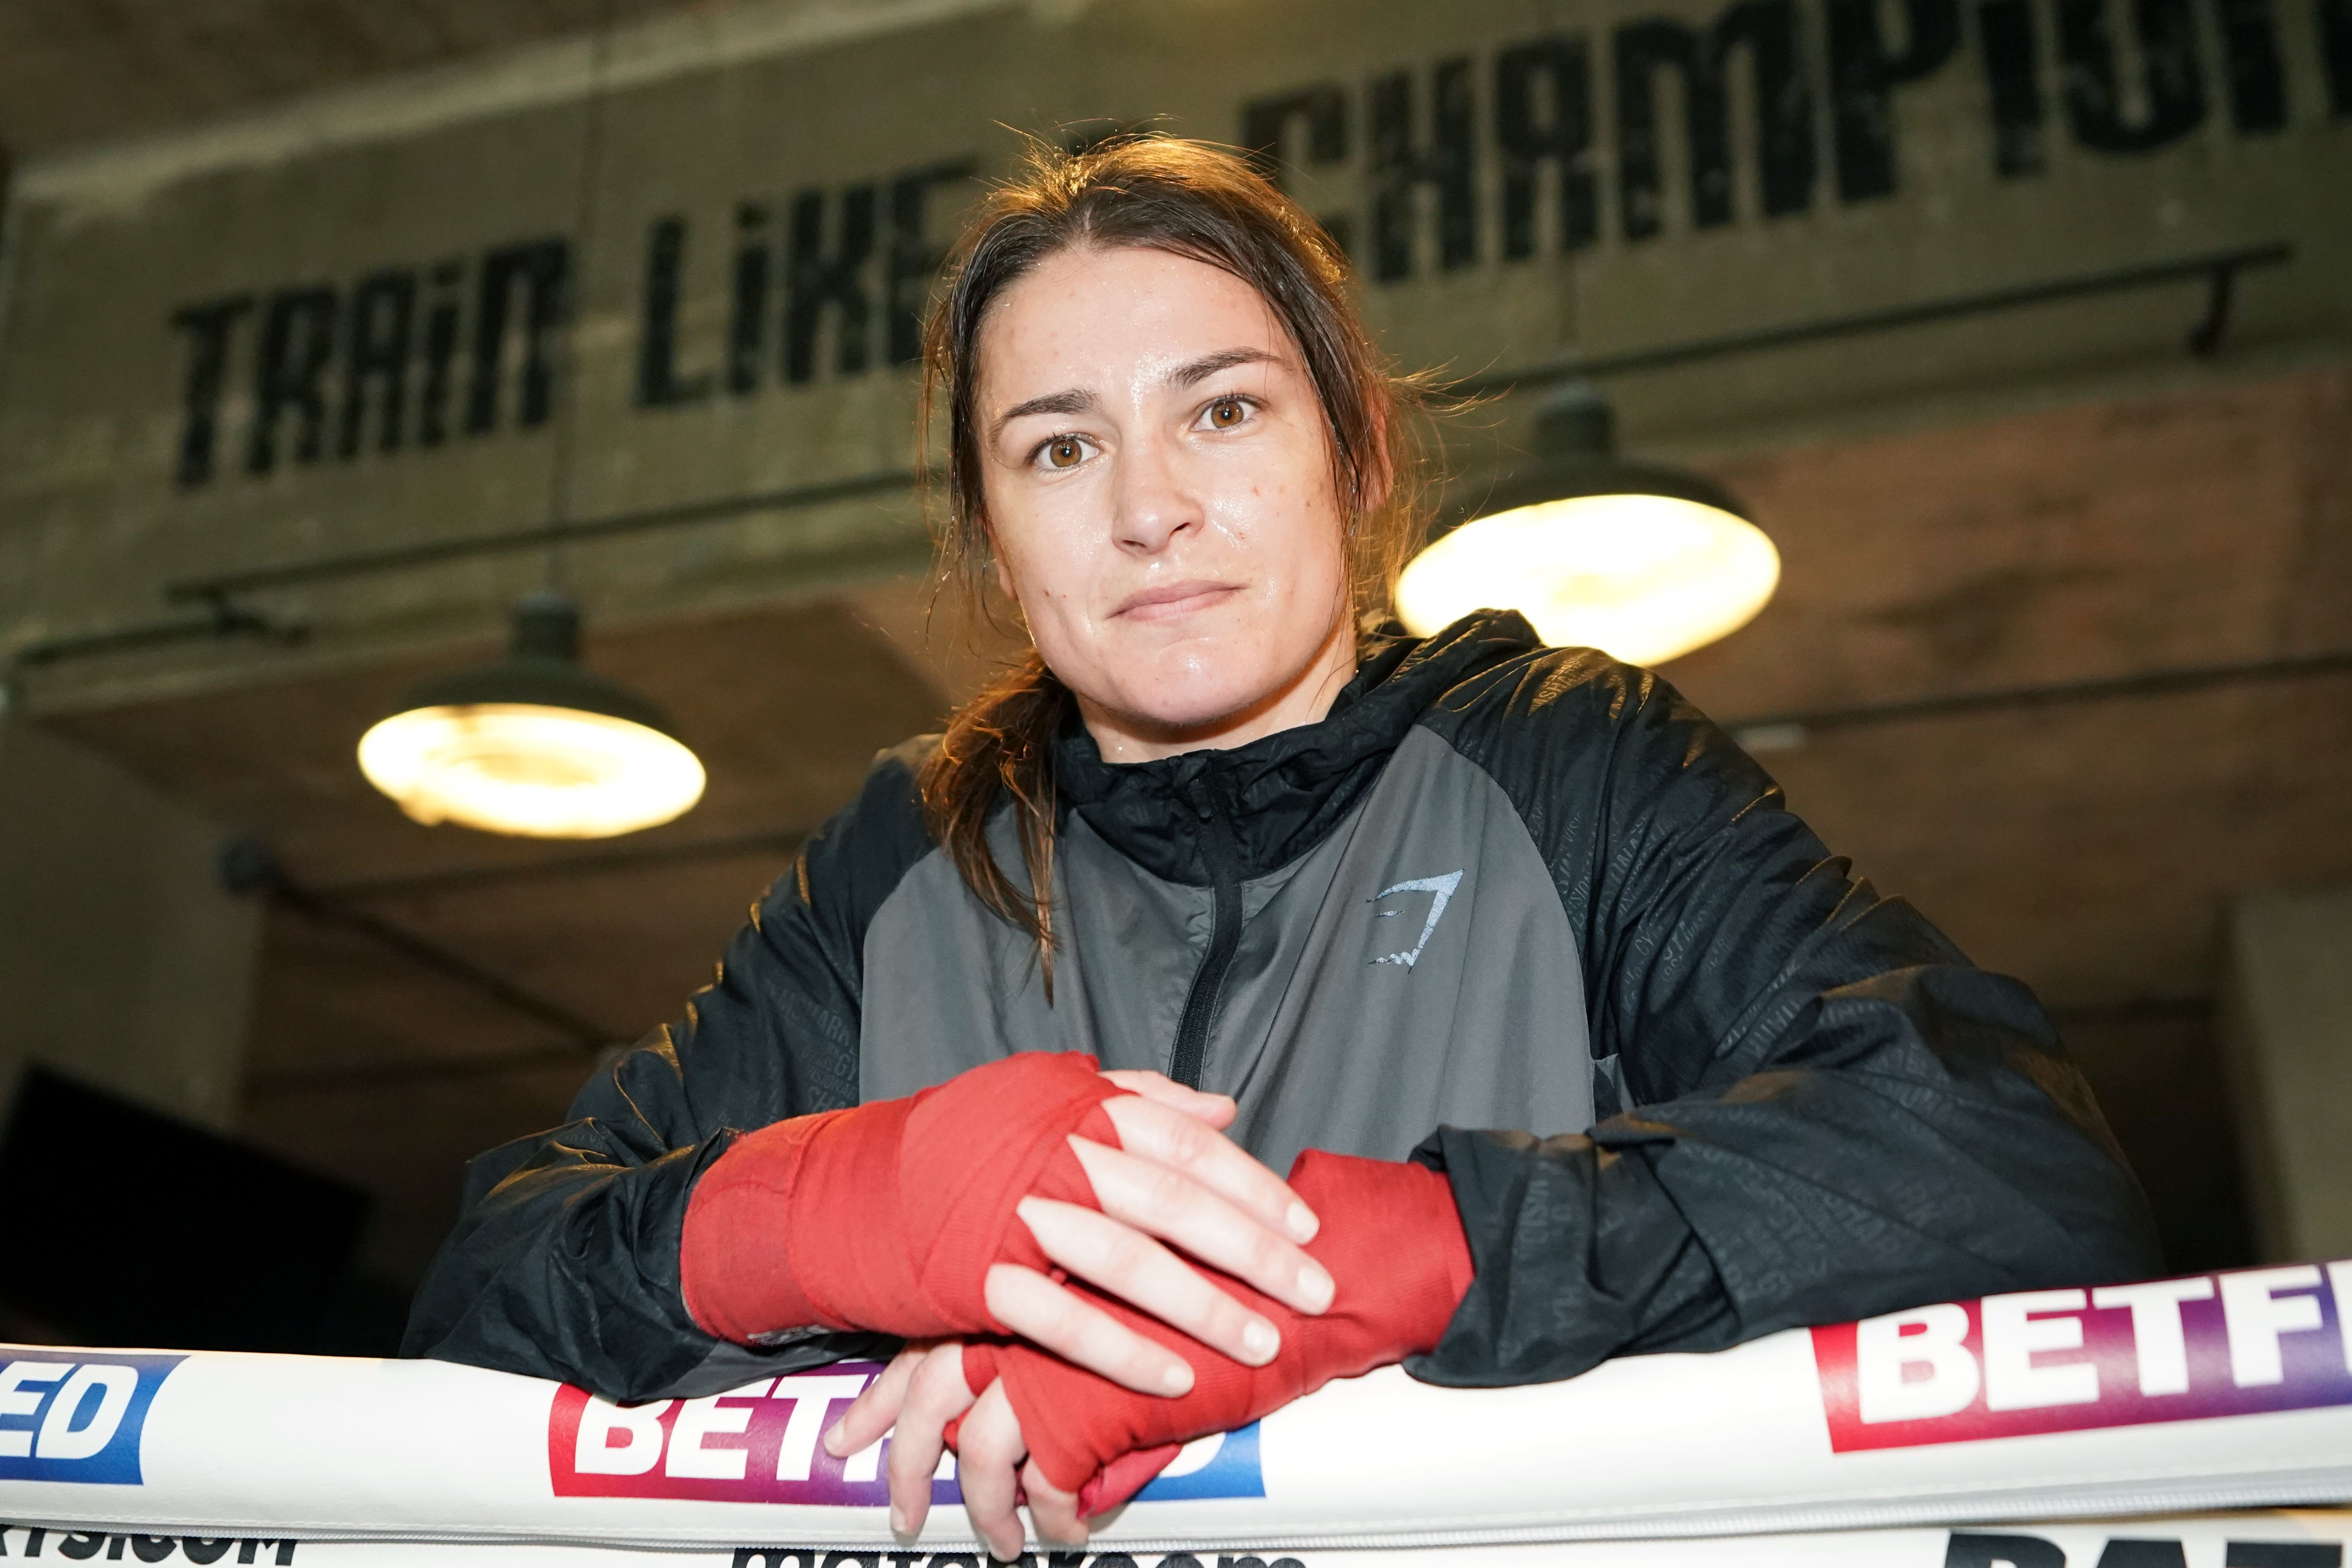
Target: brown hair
[1192, 200]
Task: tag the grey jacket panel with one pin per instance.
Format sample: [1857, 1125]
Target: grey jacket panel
[1414, 968]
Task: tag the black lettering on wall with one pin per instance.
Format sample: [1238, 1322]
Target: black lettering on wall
[915, 254]
[152, 1548]
[659, 382]
[2257, 80]
[773, 1557]
[1863, 74]
[441, 321]
[2095, 99]
[747, 309]
[200, 1550]
[541, 269]
[1767, 29]
[1969, 1549]
[297, 338]
[815, 282]
[2012, 64]
[1445, 164]
[2282, 1555]
[375, 358]
[82, 1543]
[1543, 116]
[1320, 111]
[2335, 43]
[209, 327]
[2125, 1552]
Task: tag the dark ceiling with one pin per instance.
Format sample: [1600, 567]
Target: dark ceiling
[80, 71]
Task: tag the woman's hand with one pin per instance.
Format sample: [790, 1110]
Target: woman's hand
[925, 1388]
[1175, 1177]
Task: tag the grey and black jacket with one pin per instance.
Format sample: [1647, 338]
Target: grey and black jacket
[1519, 912]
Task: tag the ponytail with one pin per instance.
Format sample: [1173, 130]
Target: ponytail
[1000, 745]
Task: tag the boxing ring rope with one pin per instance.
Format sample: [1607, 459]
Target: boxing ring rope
[1918, 1435]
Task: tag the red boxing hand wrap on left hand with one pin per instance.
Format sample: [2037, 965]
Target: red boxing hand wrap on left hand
[1392, 1240]
[887, 1217]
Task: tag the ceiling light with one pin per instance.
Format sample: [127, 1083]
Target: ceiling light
[1642, 561]
[535, 745]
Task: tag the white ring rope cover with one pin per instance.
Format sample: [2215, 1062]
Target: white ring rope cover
[2215, 1391]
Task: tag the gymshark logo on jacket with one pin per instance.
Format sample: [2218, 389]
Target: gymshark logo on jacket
[1439, 889]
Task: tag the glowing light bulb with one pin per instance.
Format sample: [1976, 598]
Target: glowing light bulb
[531, 770]
[1642, 561]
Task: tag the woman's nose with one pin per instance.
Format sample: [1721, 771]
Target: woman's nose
[1155, 505]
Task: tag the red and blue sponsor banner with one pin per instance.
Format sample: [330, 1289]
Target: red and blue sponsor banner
[76, 1415]
[2239, 1344]
[761, 1443]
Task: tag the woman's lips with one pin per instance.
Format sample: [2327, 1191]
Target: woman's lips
[1172, 599]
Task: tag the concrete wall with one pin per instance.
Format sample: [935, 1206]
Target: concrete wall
[123, 960]
[2288, 1028]
[201, 335]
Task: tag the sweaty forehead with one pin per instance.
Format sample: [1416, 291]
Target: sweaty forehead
[1106, 320]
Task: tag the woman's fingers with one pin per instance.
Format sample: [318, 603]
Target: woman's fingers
[936, 1394]
[1168, 1203]
[1046, 1314]
[872, 1412]
[1139, 1270]
[1151, 1130]
[1215, 1110]
[1054, 1511]
[989, 1451]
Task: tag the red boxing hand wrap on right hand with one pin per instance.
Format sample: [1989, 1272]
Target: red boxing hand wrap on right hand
[1392, 1240]
[887, 1217]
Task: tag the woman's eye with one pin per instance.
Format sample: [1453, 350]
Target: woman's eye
[1065, 452]
[1225, 413]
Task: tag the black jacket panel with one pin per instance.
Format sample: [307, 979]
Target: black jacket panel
[1832, 1113]
[564, 1263]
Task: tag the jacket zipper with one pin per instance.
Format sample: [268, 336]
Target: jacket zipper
[1191, 1056]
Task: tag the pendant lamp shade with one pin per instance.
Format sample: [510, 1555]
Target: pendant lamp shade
[1642, 561]
[535, 745]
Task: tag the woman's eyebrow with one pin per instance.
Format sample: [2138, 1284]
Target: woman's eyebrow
[1072, 401]
[1193, 372]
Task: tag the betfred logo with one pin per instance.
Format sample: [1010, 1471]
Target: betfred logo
[759, 1444]
[2116, 1356]
[66, 1416]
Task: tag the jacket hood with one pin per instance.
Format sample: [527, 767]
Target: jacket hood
[1284, 793]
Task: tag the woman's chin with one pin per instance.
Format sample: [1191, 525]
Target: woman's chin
[1193, 708]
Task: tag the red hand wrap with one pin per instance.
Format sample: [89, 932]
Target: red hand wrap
[1393, 1243]
[887, 1217]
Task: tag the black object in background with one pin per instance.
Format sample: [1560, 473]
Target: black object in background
[124, 1226]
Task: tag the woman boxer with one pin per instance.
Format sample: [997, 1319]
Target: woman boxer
[1215, 885]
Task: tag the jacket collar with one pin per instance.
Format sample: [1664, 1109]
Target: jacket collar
[1285, 792]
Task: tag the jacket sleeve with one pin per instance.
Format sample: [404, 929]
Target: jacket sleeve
[564, 1261]
[1818, 1109]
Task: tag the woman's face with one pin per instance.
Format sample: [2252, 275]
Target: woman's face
[1158, 484]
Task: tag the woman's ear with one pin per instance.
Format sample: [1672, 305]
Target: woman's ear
[998, 568]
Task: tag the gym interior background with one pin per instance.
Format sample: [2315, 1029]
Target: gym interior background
[329, 328]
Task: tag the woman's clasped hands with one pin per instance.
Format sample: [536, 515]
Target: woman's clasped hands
[1008, 1179]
